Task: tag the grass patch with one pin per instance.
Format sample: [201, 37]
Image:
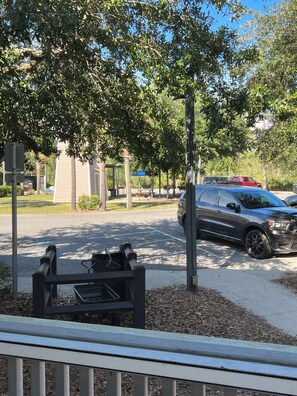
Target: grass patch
[34, 204]
[138, 205]
[43, 204]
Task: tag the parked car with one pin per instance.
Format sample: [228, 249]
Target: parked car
[295, 188]
[291, 200]
[242, 181]
[215, 179]
[256, 218]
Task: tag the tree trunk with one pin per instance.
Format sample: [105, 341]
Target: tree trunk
[37, 177]
[160, 183]
[152, 186]
[265, 176]
[3, 168]
[199, 170]
[73, 184]
[126, 156]
[167, 185]
[173, 185]
[103, 192]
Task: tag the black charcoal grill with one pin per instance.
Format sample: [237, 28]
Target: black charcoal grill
[91, 293]
[94, 293]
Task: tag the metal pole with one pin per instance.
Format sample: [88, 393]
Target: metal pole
[14, 224]
[191, 253]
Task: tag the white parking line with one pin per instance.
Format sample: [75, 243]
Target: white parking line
[126, 234]
[184, 241]
[170, 236]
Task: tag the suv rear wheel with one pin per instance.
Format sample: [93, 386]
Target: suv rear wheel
[257, 245]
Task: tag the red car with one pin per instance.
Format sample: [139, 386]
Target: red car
[243, 181]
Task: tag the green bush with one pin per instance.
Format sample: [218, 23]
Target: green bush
[31, 191]
[280, 185]
[6, 191]
[89, 202]
[3, 191]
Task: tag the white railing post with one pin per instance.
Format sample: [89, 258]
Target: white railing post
[62, 379]
[140, 385]
[113, 383]
[168, 387]
[226, 365]
[37, 378]
[86, 381]
[228, 391]
[15, 376]
[198, 389]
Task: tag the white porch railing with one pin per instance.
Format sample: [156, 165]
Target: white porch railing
[230, 365]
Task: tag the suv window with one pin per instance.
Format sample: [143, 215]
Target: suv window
[225, 198]
[210, 197]
[257, 200]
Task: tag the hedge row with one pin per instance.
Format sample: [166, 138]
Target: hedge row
[280, 185]
[6, 191]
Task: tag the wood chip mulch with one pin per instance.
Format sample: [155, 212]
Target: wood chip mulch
[289, 280]
[170, 309]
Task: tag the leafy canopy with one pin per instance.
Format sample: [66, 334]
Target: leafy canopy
[273, 83]
[79, 70]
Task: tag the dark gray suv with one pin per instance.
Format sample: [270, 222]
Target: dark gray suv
[258, 219]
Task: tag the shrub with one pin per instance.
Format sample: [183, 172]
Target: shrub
[6, 191]
[31, 191]
[280, 185]
[89, 202]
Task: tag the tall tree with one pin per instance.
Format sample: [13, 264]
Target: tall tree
[69, 69]
[273, 83]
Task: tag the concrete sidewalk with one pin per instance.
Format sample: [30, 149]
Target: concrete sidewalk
[260, 296]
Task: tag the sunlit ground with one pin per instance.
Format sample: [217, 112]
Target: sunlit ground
[43, 204]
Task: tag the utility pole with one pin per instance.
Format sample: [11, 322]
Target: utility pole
[192, 279]
[14, 167]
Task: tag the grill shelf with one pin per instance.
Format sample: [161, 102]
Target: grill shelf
[95, 293]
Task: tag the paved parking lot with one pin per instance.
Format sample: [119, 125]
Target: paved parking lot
[160, 245]
[155, 236]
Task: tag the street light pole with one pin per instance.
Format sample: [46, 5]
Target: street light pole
[192, 280]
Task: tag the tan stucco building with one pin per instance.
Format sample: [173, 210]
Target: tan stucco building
[87, 177]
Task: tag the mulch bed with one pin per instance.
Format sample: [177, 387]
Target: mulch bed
[171, 309]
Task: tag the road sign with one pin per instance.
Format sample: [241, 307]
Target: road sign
[14, 157]
[9, 177]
